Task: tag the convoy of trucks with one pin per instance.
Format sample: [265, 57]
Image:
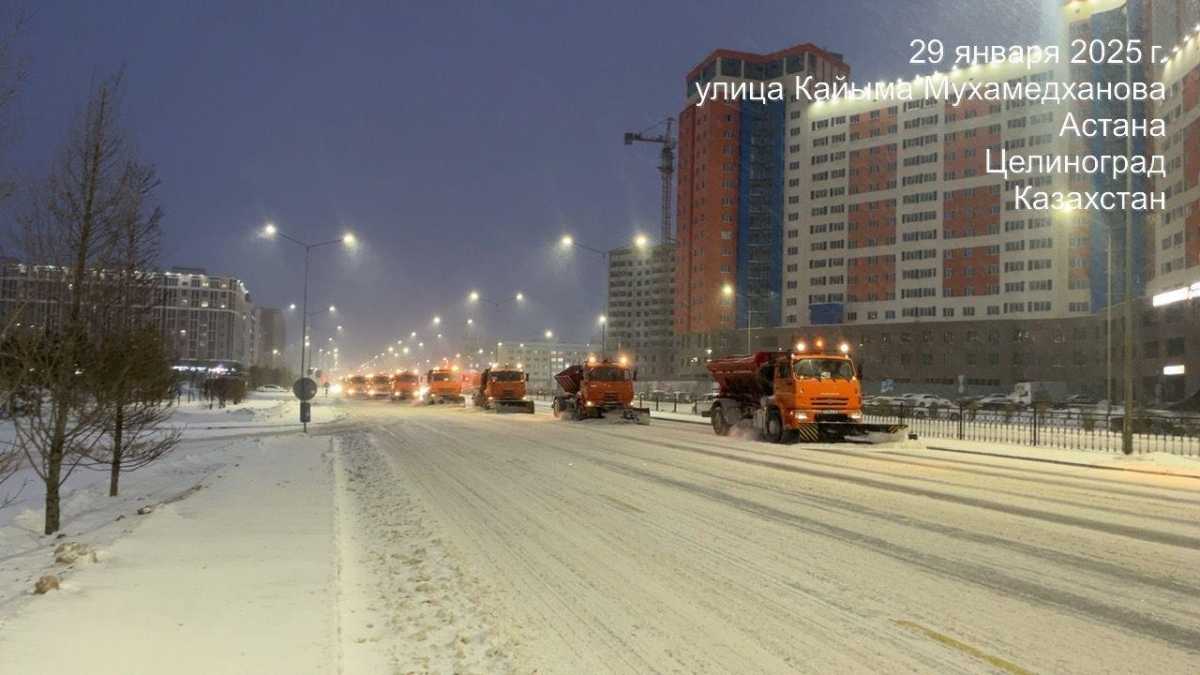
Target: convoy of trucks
[597, 388]
[808, 394]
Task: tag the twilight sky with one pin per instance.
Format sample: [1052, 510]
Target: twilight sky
[458, 140]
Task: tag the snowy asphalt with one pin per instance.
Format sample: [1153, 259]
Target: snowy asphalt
[606, 547]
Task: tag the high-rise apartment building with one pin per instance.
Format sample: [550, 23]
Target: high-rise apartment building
[641, 301]
[732, 177]
[272, 336]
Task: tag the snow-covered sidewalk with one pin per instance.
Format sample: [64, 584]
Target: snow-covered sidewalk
[236, 575]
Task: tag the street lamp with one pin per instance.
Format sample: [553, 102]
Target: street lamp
[549, 334]
[603, 320]
[728, 291]
[641, 241]
[348, 240]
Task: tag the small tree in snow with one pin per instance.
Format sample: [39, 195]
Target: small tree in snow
[136, 386]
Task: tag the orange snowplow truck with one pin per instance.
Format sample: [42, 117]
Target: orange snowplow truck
[443, 386]
[405, 386]
[597, 388]
[802, 395]
[503, 390]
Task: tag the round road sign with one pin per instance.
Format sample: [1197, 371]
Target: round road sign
[305, 388]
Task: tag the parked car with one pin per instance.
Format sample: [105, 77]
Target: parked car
[1076, 401]
[995, 401]
[703, 406]
[271, 388]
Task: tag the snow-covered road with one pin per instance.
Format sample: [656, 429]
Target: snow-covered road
[597, 547]
[400, 538]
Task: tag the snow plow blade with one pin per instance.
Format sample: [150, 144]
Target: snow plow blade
[515, 407]
[638, 415]
[876, 433]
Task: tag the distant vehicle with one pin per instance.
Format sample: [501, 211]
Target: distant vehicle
[405, 386]
[703, 406]
[270, 388]
[380, 386]
[995, 401]
[1077, 400]
[443, 386]
[355, 387]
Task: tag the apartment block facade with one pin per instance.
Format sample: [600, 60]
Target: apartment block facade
[206, 319]
[641, 302]
[731, 180]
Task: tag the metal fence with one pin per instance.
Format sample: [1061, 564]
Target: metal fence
[1071, 429]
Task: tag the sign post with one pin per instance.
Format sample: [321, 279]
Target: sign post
[305, 389]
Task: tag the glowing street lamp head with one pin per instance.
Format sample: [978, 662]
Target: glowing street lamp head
[641, 241]
[412, 334]
[269, 229]
[437, 320]
[603, 319]
[520, 296]
[332, 309]
[349, 239]
[292, 307]
[549, 334]
[727, 290]
[474, 296]
[567, 241]
[470, 322]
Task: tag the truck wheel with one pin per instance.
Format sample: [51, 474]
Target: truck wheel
[719, 425]
[774, 427]
[555, 410]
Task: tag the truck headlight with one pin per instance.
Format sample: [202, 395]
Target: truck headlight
[799, 415]
[855, 415]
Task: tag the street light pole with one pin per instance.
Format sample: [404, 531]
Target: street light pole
[348, 240]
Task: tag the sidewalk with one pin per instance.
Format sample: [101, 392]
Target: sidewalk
[237, 577]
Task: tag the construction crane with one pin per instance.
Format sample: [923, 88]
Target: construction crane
[666, 166]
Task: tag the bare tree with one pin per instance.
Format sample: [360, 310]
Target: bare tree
[133, 377]
[72, 228]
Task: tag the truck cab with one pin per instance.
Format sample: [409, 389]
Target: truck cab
[405, 386]
[355, 387]
[443, 385]
[817, 387]
[607, 385]
[503, 388]
[380, 386]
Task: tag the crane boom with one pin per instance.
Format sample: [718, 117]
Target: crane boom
[666, 168]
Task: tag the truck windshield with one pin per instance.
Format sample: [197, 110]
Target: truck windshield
[381, 379]
[358, 379]
[407, 377]
[507, 375]
[439, 377]
[607, 374]
[813, 369]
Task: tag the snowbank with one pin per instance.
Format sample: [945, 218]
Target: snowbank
[232, 572]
